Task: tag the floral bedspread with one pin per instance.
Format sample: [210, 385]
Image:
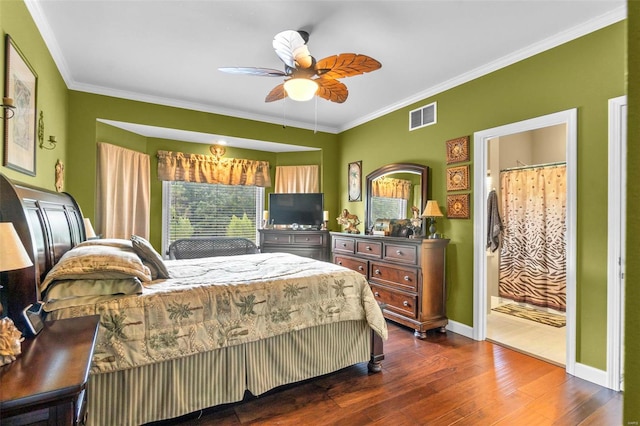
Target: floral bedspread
[215, 302]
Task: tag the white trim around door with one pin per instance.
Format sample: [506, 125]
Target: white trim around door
[616, 239]
[480, 149]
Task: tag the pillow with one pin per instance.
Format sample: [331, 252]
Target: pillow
[113, 242]
[54, 305]
[148, 254]
[97, 262]
[65, 289]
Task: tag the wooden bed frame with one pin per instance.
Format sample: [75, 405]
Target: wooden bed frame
[49, 224]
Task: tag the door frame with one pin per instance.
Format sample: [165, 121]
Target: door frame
[480, 193]
[616, 215]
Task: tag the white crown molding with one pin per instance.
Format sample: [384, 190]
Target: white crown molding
[595, 24]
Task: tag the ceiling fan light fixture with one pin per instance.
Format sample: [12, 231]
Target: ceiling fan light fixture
[300, 89]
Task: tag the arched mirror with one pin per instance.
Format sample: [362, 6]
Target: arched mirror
[410, 189]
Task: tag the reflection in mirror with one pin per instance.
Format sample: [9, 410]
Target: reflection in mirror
[394, 190]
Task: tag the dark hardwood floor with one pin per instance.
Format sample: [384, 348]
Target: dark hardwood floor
[444, 380]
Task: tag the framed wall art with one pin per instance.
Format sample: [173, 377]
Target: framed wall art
[21, 85]
[458, 178]
[458, 206]
[458, 150]
[355, 181]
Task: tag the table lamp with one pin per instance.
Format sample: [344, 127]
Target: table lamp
[431, 211]
[14, 255]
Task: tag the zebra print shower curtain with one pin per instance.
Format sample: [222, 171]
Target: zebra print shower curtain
[533, 255]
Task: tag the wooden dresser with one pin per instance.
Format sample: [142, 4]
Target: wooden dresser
[313, 244]
[408, 275]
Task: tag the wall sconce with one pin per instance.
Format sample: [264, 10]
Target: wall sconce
[8, 108]
[51, 143]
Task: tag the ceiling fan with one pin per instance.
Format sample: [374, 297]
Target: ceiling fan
[301, 70]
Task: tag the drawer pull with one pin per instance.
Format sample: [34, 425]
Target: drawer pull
[406, 278]
[405, 303]
[377, 271]
[306, 239]
[360, 268]
[275, 238]
[368, 248]
[399, 252]
[344, 244]
[339, 262]
[376, 294]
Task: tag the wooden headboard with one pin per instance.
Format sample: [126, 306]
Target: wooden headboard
[49, 224]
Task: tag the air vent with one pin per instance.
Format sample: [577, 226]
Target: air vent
[423, 116]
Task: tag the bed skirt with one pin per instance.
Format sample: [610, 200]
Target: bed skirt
[181, 386]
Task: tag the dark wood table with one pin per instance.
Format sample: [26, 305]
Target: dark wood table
[46, 384]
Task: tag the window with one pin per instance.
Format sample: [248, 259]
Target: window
[389, 208]
[207, 210]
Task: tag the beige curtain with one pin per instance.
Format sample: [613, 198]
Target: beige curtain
[391, 188]
[533, 252]
[123, 192]
[297, 179]
[209, 169]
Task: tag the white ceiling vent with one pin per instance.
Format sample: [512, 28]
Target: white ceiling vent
[423, 116]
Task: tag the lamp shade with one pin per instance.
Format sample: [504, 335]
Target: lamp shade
[14, 255]
[300, 89]
[88, 228]
[432, 209]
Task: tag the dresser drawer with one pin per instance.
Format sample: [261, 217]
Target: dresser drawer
[308, 239]
[276, 238]
[401, 253]
[402, 303]
[403, 278]
[353, 264]
[369, 248]
[344, 245]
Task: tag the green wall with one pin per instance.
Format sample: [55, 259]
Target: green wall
[632, 277]
[86, 108]
[581, 74]
[52, 93]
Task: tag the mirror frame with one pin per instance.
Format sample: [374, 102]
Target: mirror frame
[415, 168]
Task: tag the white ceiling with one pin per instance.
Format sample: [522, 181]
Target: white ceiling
[168, 52]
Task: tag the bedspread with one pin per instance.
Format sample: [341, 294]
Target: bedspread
[211, 303]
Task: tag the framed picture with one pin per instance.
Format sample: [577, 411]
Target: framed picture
[458, 150]
[458, 178]
[458, 206]
[355, 181]
[21, 85]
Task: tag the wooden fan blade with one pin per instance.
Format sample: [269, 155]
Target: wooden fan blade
[276, 94]
[264, 72]
[332, 90]
[346, 65]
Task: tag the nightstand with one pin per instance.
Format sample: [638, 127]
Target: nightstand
[46, 384]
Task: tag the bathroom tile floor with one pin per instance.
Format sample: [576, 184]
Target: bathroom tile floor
[538, 340]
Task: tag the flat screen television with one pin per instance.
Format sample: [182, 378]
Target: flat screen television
[304, 210]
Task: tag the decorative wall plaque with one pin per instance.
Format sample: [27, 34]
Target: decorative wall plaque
[458, 206]
[458, 178]
[458, 150]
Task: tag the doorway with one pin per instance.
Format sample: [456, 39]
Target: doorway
[482, 141]
[526, 259]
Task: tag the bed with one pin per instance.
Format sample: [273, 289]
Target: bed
[215, 329]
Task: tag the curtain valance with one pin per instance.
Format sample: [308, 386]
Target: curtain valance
[391, 188]
[209, 169]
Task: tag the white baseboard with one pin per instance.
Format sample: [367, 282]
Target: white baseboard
[591, 374]
[459, 328]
